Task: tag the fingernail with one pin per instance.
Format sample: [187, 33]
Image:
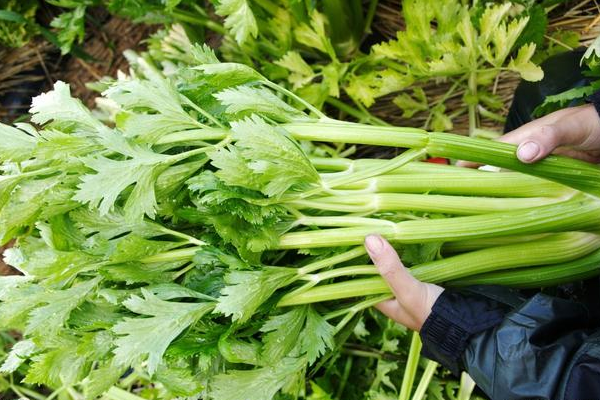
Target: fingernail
[528, 151]
[374, 244]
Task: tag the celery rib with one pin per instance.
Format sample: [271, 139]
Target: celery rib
[573, 173]
[560, 248]
[457, 205]
[580, 213]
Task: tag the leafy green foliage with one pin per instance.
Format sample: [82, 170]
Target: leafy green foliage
[16, 19]
[257, 384]
[264, 159]
[469, 44]
[239, 18]
[156, 248]
[151, 336]
[247, 290]
[71, 28]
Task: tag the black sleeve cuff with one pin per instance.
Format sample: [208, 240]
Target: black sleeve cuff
[455, 317]
[595, 100]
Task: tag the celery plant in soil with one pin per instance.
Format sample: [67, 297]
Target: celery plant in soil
[206, 239]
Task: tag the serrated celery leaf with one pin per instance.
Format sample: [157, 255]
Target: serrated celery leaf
[282, 334]
[112, 177]
[247, 290]
[149, 128]
[141, 338]
[49, 318]
[300, 72]
[57, 367]
[242, 101]
[240, 351]
[239, 18]
[557, 101]
[15, 144]
[37, 259]
[257, 384]
[229, 74]
[315, 35]
[179, 381]
[29, 200]
[66, 147]
[367, 87]
[265, 158]
[96, 315]
[17, 355]
[171, 180]
[211, 257]
[220, 198]
[10, 282]
[134, 248]
[58, 106]
[71, 27]
[317, 336]
[156, 94]
[170, 291]
[60, 233]
[524, 66]
[101, 379]
[13, 313]
[136, 272]
[112, 224]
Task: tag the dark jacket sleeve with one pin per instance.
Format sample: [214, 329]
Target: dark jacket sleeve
[540, 348]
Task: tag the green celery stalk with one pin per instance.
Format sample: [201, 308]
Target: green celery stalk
[458, 205]
[536, 277]
[581, 212]
[425, 380]
[503, 184]
[476, 244]
[412, 364]
[327, 164]
[573, 173]
[559, 248]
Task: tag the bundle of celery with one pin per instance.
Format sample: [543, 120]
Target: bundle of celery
[192, 240]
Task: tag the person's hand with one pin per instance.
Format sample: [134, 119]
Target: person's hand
[572, 132]
[414, 298]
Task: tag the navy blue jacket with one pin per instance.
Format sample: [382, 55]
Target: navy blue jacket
[543, 347]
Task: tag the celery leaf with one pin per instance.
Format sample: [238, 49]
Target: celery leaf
[247, 290]
[263, 158]
[239, 18]
[149, 337]
[256, 384]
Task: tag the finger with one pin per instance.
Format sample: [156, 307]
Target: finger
[539, 138]
[393, 310]
[591, 157]
[389, 265]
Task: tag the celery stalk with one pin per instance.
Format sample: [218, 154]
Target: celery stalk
[578, 213]
[502, 184]
[559, 248]
[412, 364]
[476, 244]
[458, 205]
[543, 276]
[573, 173]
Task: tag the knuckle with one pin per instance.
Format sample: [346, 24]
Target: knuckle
[549, 134]
[388, 271]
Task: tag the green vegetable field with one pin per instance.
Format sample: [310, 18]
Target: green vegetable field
[192, 226]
